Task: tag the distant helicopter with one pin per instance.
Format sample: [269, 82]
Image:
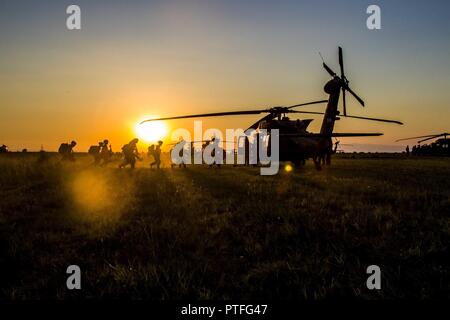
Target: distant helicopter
[440, 147]
[296, 144]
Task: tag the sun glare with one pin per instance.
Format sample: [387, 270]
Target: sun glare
[151, 131]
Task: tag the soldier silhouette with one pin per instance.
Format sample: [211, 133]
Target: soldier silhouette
[151, 152]
[105, 152]
[66, 151]
[130, 154]
[157, 156]
[215, 142]
[181, 143]
[3, 149]
[95, 152]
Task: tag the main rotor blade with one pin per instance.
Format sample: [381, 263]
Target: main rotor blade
[341, 63]
[331, 72]
[344, 102]
[355, 95]
[356, 134]
[231, 113]
[430, 138]
[354, 117]
[215, 114]
[191, 142]
[320, 135]
[307, 103]
[430, 135]
[434, 137]
[307, 112]
[374, 119]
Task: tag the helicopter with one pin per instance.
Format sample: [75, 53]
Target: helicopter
[440, 147]
[296, 144]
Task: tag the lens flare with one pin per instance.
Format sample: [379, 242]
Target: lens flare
[98, 198]
[151, 131]
[90, 191]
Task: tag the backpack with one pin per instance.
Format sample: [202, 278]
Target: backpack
[126, 148]
[94, 149]
[63, 148]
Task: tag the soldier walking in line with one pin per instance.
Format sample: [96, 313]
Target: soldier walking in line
[130, 154]
[105, 152]
[66, 151]
[157, 156]
[95, 152]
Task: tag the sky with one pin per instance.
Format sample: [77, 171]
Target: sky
[134, 59]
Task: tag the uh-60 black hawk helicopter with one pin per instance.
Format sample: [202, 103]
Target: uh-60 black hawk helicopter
[440, 147]
[296, 144]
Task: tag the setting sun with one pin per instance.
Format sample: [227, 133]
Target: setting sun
[151, 131]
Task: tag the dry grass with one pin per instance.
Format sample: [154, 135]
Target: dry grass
[230, 233]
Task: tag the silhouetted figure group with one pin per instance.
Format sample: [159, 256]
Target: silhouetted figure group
[102, 153]
[439, 148]
[131, 154]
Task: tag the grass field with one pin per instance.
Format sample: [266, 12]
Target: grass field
[220, 234]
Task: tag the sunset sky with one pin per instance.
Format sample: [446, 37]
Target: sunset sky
[133, 59]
